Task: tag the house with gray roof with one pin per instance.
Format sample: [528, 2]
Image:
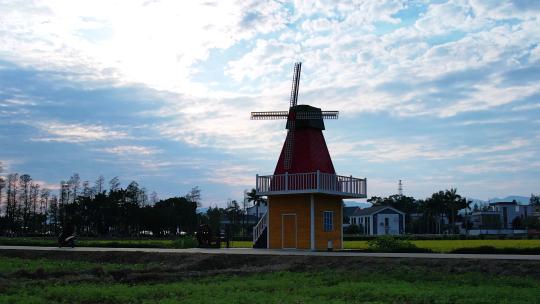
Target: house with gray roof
[378, 220]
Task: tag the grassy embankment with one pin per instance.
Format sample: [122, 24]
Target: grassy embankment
[11, 265]
[441, 246]
[50, 281]
[186, 242]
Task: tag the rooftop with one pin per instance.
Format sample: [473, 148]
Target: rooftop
[371, 210]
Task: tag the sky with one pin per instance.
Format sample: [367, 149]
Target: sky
[438, 94]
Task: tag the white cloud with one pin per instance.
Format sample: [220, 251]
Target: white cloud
[155, 43]
[131, 150]
[160, 44]
[442, 18]
[76, 132]
[392, 150]
[526, 107]
[491, 121]
[233, 175]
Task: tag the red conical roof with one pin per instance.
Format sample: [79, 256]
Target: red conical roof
[310, 153]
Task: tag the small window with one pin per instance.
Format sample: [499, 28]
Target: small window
[517, 208]
[328, 221]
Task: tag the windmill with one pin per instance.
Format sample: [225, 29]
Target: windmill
[301, 113]
[304, 194]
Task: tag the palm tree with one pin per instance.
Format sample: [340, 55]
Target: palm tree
[257, 200]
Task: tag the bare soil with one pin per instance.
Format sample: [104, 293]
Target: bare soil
[177, 266]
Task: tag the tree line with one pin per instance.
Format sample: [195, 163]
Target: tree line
[101, 208]
[93, 209]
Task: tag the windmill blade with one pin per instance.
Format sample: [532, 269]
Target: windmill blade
[269, 115]
[318, 115]
[299, 115]
[289, 145]
[291, 117]
[295, 84]
[330, 114]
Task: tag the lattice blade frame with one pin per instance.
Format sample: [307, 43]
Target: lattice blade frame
[289, 146]
[295, 84]
[269, 115]
[318, 115]
[299, 115]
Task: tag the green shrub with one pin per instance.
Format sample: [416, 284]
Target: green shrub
[389, 243]
[185, 242]
[352, 229]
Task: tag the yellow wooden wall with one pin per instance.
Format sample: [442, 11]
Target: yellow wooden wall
[300, 205]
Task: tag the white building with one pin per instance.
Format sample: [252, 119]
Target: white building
[379, 220]
[500, 219]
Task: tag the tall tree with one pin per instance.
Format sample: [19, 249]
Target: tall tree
[75, 184]
[143, 197]
[154, 198]
[100, 184]
[132, 192]
[53, 214]
[214, 218]
[194, 195]
[376, 201]
[2, 187]
[11, 200]
[534, 200]
[234, 213]
[454, 202]
[114, 184]
[25, 183]
[87, 190]
[44, 200]
[34, 198]
[64, 193]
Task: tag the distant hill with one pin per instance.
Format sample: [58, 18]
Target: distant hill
[522, 200]
[357, 204]
[202, 209]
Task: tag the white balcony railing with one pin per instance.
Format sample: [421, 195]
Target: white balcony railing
[313, 182]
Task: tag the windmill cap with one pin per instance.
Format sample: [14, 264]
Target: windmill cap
[316, 123]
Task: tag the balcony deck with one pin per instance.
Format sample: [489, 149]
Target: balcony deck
[312, 182]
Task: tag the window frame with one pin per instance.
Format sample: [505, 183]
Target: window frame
[328, 221]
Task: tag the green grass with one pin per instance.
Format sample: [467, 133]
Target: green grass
[355, 245]
[239, 244]
[449, 245]
[289, 287]
[9, 265]
[186, 242]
